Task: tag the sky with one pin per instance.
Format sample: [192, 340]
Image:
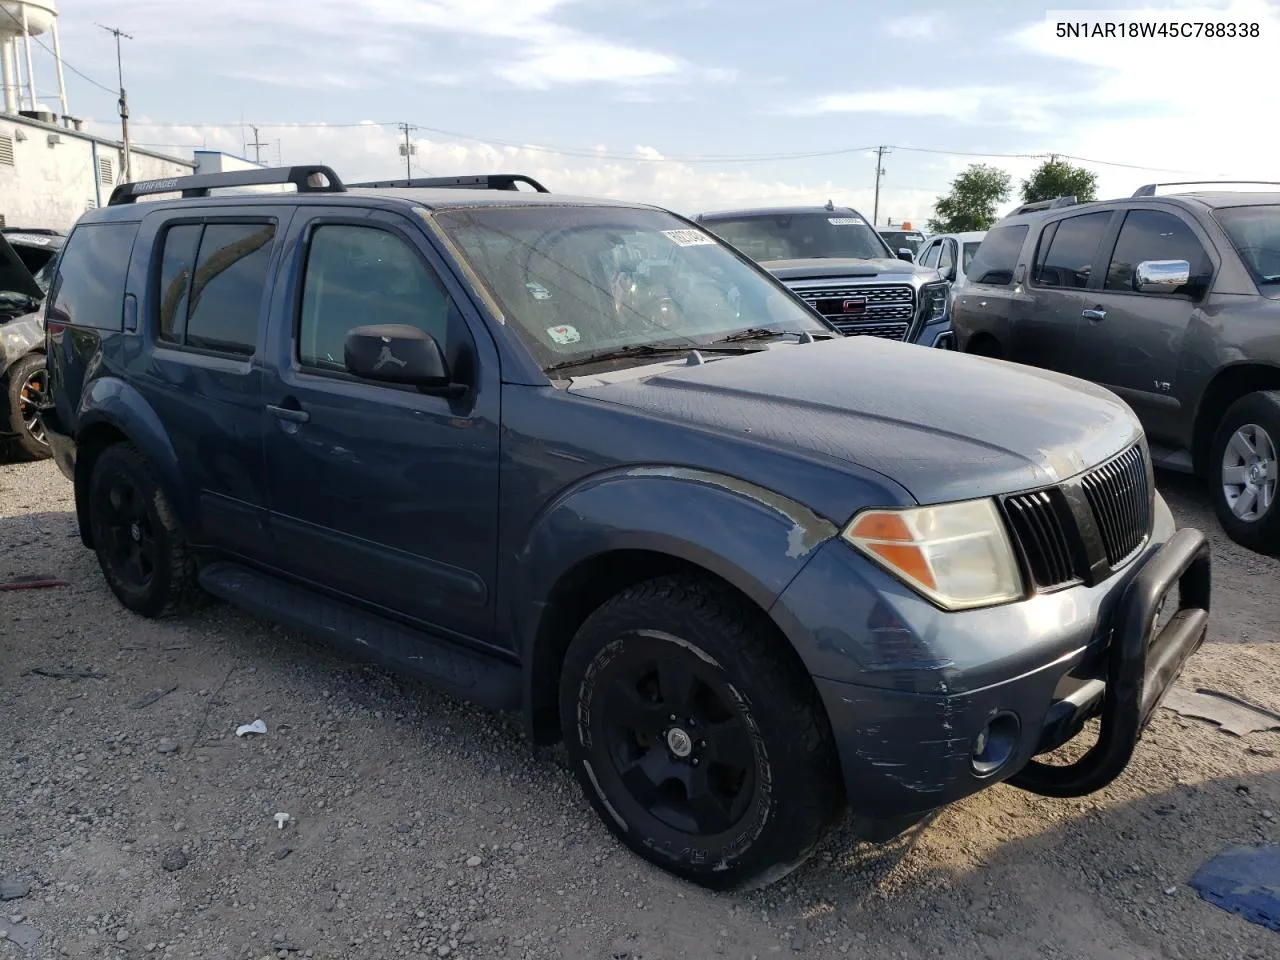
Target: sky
[691, 104]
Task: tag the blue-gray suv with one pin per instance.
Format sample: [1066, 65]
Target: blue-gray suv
[582, 459]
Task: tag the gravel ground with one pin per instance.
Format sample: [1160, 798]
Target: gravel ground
[134, 822]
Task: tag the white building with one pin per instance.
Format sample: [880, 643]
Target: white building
[51, 174]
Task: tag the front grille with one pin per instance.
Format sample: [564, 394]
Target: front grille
[877, 310]
[1120, 498]
[1040, 522]
[1114, 499]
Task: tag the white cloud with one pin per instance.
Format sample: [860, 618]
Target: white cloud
[922, 26]
[337, 44]
[370, 151]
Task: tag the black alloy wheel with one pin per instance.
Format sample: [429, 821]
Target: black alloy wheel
[697, 735]
[26, 387]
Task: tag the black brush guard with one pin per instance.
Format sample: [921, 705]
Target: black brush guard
[1141, 665]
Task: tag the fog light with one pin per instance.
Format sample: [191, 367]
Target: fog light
[996, 744]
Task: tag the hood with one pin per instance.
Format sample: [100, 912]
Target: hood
[819, 267]
[14, 275]
[944, 425]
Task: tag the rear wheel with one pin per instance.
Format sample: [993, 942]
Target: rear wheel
[143, 554]
[26, 385]
[696, 737]
[1243, 471]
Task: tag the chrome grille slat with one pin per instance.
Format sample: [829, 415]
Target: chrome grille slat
[889, 310]
[1119, 496]
[1036, 521]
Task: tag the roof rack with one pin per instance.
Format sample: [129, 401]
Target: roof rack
[1053, 204]
[1149, 190]
[490, 181]
[199, 185]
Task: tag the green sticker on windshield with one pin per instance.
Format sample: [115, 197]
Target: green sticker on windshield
[564, 334]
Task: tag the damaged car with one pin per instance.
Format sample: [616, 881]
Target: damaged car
[27, 260]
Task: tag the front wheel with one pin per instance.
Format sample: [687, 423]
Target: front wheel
[698, 738]
[26, 385]
[1243, 471]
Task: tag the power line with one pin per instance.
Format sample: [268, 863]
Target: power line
[592, 154]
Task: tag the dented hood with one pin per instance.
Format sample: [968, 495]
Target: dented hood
[946, 426]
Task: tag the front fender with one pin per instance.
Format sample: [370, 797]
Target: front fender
[756, 539]
[111, 404]
[19, 338]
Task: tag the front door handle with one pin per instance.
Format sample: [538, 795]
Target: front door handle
[1094, 315]
[291, 414]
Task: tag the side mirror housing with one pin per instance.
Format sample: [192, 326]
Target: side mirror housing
[904, 253]
[398, 353]
[1161, 276]
[949, 274]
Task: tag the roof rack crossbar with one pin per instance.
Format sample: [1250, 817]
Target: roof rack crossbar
[490, 181]
[199, 185]
[1054, 204]
[1149, 190]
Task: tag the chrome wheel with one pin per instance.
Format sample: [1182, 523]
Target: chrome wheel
[1249, 473]
[30, 395]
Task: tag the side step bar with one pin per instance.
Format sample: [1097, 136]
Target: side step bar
[448, 667]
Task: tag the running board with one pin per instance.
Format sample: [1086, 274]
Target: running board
[450, 668]
[1167, 458]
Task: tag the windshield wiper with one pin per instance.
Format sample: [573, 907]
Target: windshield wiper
[644, 350]
[764, 333]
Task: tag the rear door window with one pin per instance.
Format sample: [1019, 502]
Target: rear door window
[88, 289]
[210, 290]
[997, 256]
[1066, 257]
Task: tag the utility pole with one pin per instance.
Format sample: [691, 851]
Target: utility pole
[880, 152]
[257, 145]
[124, 99]
[408, 150]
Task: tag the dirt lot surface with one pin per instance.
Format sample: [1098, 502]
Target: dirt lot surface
[421, 827]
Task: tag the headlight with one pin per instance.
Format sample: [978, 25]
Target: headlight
[933, 301]
[958, 554]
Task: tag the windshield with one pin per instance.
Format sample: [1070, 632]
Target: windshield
[803, 235]
[576, 281]
[1255, 232]
[896, 239]
[967, 254]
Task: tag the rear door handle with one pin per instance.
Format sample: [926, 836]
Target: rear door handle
[1094, 315]
[289, 413]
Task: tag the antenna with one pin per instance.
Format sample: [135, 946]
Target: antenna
[124, 99]
[257, 145]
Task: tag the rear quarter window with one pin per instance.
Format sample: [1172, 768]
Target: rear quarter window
[997, 255]
[88, 288]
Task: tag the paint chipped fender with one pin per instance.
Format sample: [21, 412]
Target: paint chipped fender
[20, 337]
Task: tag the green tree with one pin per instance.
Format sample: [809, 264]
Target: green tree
[972, 202]
[1057, 178]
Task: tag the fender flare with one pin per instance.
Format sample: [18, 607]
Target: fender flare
[755, 539]
[111, 402]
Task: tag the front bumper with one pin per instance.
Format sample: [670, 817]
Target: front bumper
[925, 726]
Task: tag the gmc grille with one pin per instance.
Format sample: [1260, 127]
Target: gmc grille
[878, 310]
[1047, 533]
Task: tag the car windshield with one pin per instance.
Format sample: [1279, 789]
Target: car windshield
[799, 236]
[967, 255]
[1255, 232]
[580, 281]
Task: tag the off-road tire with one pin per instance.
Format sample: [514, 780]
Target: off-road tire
[172, 586]
[22, 445]
[796, 792]
[1261, 408]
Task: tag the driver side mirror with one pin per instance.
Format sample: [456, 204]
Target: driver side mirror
[949, 274]
[399, 353]
[904, 253]
[1161, 276]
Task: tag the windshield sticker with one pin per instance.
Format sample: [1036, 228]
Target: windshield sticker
[688, 238]
[846, 221]
[564, 334]
[538, 291]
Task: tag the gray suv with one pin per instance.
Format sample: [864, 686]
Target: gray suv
[1170, 301]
